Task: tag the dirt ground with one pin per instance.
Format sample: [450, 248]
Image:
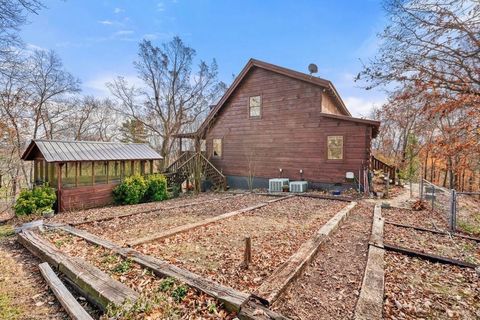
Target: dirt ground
[418, 289]
[428, 242]
[23, 292]
[424, 218]
[112, 211]
[123, 229]
[216, 251]
[330, 286]
[161, 298]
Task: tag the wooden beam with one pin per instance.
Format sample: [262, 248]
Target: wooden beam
[98, 287]
[66, 299]
[59, 187]
[281, 278]
[428, 256]
[370, 302]
[76, 174]
[320, 196]
[187, 227]
[129, 214]
[132, 167]
[151, 166]
[93, 173]
[108, 171]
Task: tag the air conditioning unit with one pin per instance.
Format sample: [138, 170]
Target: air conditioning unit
[298, 186]
[276, 185]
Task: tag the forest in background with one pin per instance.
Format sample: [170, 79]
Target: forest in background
[429, 63]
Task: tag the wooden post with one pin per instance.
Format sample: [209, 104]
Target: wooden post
[123, 170]
[132, 167]
[108, 170]
[59, 187]
[76, 174]
[247, 258]
[93, 173]
[151, 166]
[142, 167]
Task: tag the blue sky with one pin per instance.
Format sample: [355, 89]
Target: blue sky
[98, 40]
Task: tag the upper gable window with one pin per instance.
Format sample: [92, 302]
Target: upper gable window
[335, 147]
[255, 106]
[217, 148]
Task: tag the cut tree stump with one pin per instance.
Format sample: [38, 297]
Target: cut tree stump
[370, 302]
[98, 287]
[66, 299]
[191, 226]
[280, 279]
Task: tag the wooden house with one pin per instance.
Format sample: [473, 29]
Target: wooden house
[84, 173]
[275, 122]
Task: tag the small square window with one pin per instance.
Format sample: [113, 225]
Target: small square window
[255, 105]
[217, 148]
[335, 147]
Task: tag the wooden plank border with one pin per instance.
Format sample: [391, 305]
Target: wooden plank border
[281, 278]
[370, 302]
[98, 287]
[191, 226]
[124, 215]
[325, 197]
[66, 299]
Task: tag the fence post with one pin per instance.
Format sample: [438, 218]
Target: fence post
[421, 189]
[433, 196]
[453, 210]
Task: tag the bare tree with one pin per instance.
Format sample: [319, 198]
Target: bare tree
[173, 95]
[48, 81]
[13, 15]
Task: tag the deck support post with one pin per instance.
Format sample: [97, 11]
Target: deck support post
[108, 171]
[76, 174]
[151, 166]
[93, 173]
[59, 186]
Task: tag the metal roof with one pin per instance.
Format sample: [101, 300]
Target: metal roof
[69, 151]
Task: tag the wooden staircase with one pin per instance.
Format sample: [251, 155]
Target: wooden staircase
[190, 163]
[376, 164]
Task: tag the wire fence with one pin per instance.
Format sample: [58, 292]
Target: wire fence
[461, 209]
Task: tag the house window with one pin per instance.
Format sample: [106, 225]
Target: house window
[255, 105]
[217, 148]
[335, 147]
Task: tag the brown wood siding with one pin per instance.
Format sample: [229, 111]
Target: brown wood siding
[290, 135]
[87, 197]
[329, 106]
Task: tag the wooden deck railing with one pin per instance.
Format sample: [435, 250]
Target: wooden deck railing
[376, 164]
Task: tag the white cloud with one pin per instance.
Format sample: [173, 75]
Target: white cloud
[362, 107]
[98, 84]
[123, 33]
[160, 6]
[118, 10]
[105, 22]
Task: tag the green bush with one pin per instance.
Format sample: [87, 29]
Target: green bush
[35, 200]
[156, 188]
[131, 190]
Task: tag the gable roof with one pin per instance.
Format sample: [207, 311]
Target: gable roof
[69, 151]
[277, 69]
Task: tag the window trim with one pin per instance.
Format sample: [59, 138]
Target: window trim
[261, 106]
[343, 148]
[213, 148]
